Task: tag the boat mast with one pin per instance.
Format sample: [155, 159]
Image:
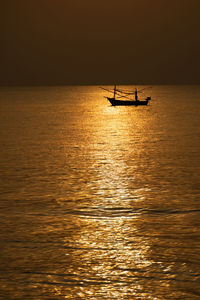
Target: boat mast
[136, 96]
[114, 91]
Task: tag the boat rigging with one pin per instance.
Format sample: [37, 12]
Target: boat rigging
[127, 96]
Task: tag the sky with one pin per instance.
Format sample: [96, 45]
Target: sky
[51, 42]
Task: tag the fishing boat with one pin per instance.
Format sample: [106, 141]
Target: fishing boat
[127, 96]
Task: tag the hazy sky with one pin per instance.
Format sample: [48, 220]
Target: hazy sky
[96, 42]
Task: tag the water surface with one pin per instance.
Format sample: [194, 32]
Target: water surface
[99, 202]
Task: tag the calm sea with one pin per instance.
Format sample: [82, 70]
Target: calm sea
[99, 202]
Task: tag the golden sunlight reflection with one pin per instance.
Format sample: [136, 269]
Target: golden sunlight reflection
[107, 250]
[108, 257]
[114, 145]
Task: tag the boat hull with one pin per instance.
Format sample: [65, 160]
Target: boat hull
[115, 102]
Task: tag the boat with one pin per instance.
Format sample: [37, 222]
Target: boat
[126, 95]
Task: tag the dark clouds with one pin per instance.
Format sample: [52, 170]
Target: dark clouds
[89, 42]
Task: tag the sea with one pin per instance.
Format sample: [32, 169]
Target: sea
[97, 201]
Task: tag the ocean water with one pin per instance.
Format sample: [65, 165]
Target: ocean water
[99, 202]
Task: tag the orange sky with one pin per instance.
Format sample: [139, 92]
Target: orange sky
[96, 42]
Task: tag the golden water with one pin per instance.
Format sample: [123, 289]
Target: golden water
[99, 202]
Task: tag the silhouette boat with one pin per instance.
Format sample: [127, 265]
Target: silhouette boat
[126, 95]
